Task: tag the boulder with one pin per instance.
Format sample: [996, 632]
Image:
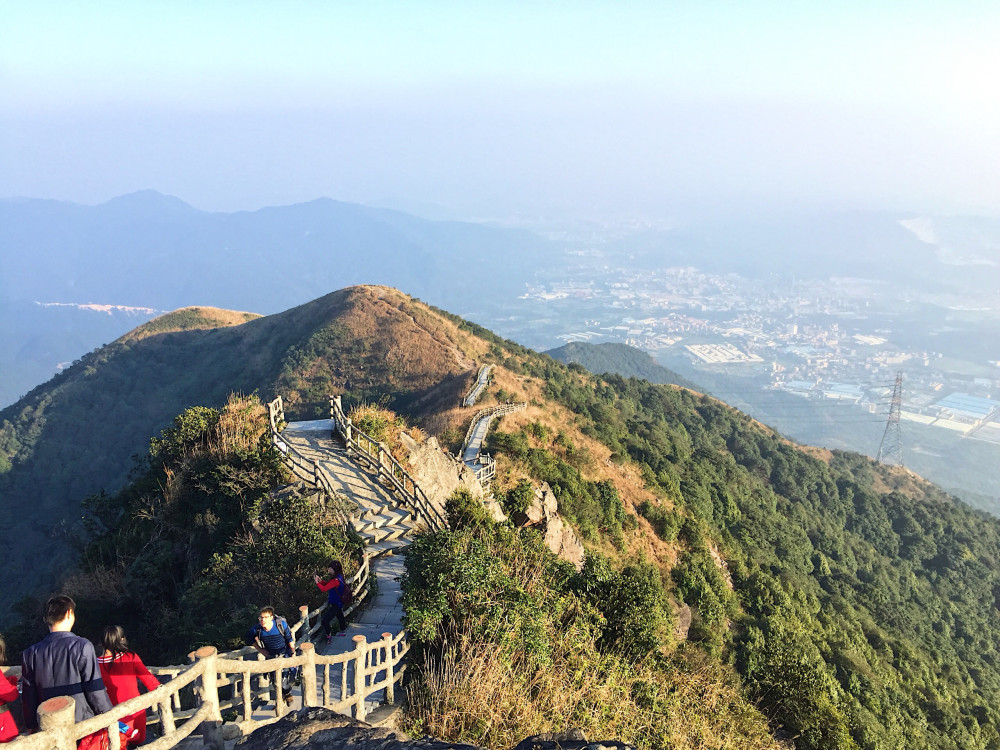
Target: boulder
[559, 537]
[439, 474]
[322, 729]
[572, 739]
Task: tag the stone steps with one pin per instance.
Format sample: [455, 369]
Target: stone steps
[379, 518]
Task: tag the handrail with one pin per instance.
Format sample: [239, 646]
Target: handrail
[302, 467]
[477, 387]
[491, 412]
[366, 669]
[377, 456]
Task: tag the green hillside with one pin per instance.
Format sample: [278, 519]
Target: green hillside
[620, 359]
[77, 434]
[855, 606]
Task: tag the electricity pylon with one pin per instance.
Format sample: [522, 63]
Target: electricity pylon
[891, 449]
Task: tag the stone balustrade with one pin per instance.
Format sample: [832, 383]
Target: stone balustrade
[377, 457]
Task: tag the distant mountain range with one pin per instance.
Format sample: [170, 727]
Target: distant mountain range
[149, 250]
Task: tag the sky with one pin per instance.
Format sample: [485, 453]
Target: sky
[587, 109]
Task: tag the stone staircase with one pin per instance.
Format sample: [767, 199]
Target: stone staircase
[377, 514]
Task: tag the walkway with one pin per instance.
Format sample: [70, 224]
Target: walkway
[481, 381]
[378, 516]
[387, 529]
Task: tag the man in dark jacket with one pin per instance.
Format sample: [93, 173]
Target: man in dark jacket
[61, 664]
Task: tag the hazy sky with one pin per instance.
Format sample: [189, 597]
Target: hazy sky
[651, 108]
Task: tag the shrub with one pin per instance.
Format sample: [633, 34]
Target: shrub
[463, 510]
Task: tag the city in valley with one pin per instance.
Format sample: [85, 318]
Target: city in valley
[839, 341]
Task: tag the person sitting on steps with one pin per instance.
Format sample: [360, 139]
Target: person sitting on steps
[334, 586]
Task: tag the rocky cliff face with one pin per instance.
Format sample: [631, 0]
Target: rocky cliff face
[439, 474]
[543, 514]
[321, 729]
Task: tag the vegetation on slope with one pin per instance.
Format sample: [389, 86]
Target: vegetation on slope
[187, 552]
[189, 319]
[533, 646]
[857, 617]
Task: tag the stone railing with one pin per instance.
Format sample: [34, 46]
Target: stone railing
[302, 467]
[376, 457]
[225, 682]
[339, 682]
[478, 386]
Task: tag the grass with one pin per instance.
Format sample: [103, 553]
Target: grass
[485, 694]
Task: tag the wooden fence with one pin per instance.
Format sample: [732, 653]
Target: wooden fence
[196, 695]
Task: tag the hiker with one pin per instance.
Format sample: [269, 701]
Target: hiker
[63, 664]
[122, 670]
[8, 694]
[272, 637]
[336, 588]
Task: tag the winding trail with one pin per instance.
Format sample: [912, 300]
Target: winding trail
[477, 389]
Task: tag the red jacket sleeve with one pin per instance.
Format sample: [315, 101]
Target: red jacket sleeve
[327, 585]
[8, 689]
[146, 677]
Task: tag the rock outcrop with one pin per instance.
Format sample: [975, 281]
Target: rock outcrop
[543, 514]
[439, 474]
[322, 729]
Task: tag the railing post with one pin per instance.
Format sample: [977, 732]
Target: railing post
[309, 675]
[390, 663]
[360, 652]
[211, 728]
[304, 620]
[56, 717]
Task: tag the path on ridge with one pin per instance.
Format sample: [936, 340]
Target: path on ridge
[481, 381]
[378, 518]
[475, 446]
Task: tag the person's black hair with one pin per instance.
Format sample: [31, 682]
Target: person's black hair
[56, 609]
[115, 641]
[338, 569]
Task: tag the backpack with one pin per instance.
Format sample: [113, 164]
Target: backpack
[286, 632]
[284, 629]
[346, 596]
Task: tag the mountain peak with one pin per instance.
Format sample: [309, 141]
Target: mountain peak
[147, 200]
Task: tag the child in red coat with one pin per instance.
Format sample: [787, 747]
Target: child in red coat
[121, 670]
[8, 694]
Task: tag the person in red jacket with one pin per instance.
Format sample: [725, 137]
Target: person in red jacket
[334, 587]
[8, 694]
[122, 670]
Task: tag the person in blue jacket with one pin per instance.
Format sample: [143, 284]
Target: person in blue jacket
[272, 637]
[62, 663]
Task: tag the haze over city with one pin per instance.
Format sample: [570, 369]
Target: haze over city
[783, 203]
[493, 111]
